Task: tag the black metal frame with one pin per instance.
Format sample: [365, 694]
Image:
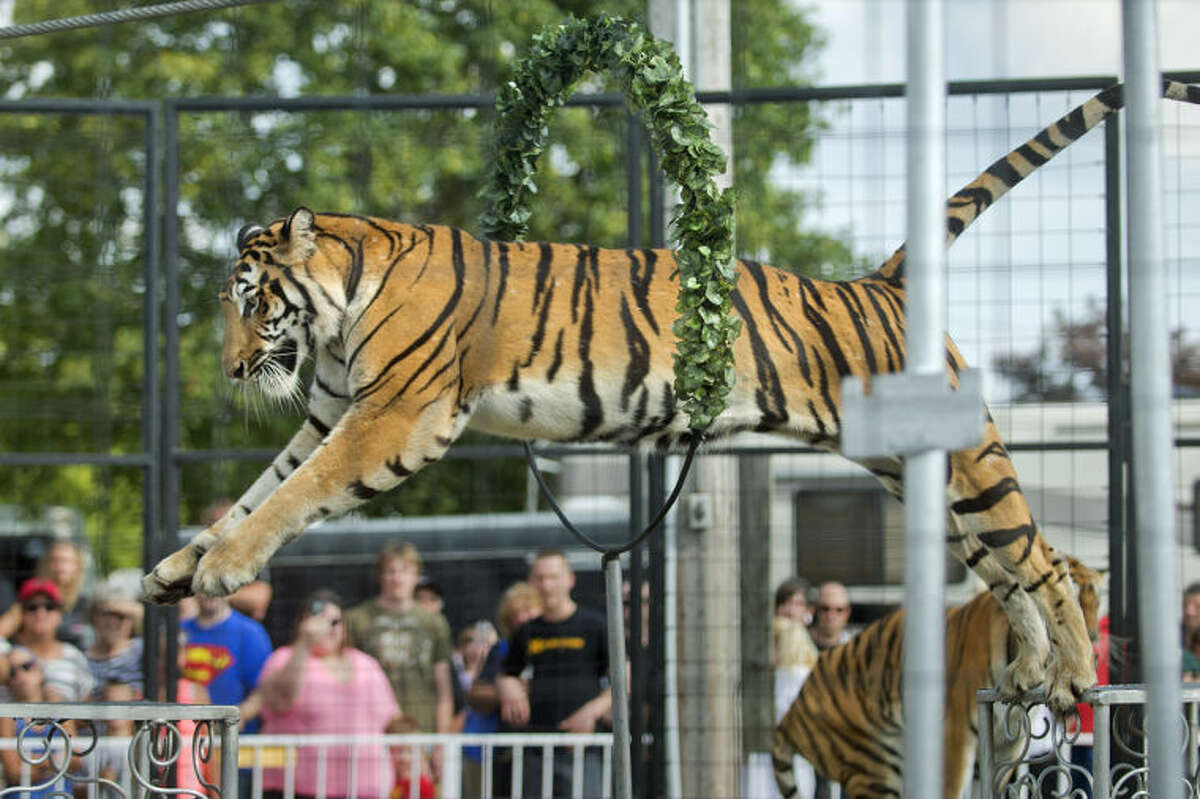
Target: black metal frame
[161, 458]
[150, 459]
[646, 784]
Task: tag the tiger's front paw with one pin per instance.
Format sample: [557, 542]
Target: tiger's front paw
[223, 570]
[1025, 675]
[171, 580]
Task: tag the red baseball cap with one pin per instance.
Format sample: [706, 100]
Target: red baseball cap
[39, 585]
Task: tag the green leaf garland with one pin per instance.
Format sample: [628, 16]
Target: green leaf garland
[653, 84]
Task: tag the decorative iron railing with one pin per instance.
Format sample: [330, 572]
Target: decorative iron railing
[55, 741]
[61, 749]
[1025, 751]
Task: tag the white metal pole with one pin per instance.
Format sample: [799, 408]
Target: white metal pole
[1154, 481]
[622, 776]
[671, 747]
[924, 472]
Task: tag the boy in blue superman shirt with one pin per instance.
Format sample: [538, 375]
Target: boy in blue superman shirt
[225, 653]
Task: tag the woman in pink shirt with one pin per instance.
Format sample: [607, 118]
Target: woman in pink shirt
[319, 686]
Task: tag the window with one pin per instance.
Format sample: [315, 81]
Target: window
[852, 531]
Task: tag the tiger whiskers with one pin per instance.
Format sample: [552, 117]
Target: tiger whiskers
[250, 400]
[281, 386]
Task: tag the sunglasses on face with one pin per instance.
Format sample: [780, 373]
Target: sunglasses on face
[31, 607]
[831, 609]
[28, 665]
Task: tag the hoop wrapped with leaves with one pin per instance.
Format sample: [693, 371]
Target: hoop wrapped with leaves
[652, 81]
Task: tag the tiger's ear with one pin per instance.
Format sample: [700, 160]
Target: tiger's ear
[299, 224]
[297, 239]
[245, 234]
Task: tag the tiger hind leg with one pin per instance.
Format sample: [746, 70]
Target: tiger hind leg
[988, 507]
[1027, 670]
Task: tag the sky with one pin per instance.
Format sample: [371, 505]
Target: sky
[988, 39]
[1040, 251]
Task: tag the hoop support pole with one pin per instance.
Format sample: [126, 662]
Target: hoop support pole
[622, 746]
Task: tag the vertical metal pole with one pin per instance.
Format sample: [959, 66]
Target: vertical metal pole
[1190, 753]
[152, 426]
[667, 744]
[633, 180]
[638, 683]
[171, 323]
[622, 783]
[1102, 754]
[924, 473]
[172, 423]
[658, 213]
[160, 624]
[656, 657]
[1154, 482]
[986, 753]
[229, 760]
[1123, 605]
[637, 516]
[708, 570]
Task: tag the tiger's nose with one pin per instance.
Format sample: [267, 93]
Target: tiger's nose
[236, 370]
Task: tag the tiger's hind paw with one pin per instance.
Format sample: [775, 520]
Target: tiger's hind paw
[1024, 676]
[1069, 678]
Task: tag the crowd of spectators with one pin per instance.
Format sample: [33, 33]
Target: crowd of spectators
[389, 664]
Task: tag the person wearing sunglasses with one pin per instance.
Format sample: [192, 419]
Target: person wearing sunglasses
[64, 666]
[319, 685]
[27, 683]
[833, 614]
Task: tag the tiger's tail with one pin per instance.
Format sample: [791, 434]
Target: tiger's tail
[783, 758]
[969, 202]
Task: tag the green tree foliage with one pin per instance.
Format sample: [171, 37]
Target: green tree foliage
[71, 287]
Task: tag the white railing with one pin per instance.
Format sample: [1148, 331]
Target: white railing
[260, 755]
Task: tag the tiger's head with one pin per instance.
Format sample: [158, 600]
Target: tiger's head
[268, 310]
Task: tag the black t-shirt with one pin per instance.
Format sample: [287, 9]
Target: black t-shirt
[570, 665]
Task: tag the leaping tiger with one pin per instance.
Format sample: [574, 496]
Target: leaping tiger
[419, 331]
